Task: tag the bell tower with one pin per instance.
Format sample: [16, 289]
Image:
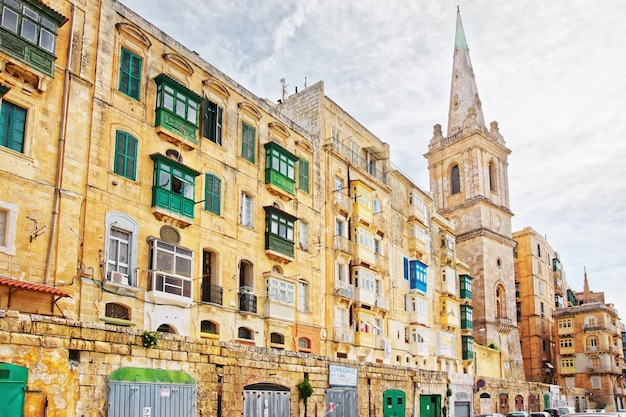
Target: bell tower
[469, 183]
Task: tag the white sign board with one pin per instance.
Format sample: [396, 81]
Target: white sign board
[342, 376]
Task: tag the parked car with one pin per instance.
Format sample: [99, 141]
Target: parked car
[518, 414]
[559, 411]
[554, 412]
[540, 414]
[490, 415]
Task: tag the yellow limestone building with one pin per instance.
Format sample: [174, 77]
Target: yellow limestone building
[159, 221]
[396, 291]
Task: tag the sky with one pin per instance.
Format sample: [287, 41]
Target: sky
[550, 72]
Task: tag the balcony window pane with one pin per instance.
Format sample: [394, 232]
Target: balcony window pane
[29, 30]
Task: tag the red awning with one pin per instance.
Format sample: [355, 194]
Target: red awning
[29, 286]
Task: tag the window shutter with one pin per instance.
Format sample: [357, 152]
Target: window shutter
[406, 268]
[303, 171]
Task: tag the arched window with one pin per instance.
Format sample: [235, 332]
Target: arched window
[455, 180]
[166, 328]
[492, 176]
[277, 338]
[304, 344]
[245, 333]
[245, 274]
[207, 326]
[500, 302]
[117, 311]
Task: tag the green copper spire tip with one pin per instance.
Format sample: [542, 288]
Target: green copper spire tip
[459, 40]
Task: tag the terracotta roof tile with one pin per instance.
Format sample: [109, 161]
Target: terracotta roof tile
[29, 286]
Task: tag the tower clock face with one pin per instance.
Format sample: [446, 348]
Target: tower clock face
[496, 220]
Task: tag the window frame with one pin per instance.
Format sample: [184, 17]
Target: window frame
[280, 167]
[173, 186]
[160, 252]
[455, 179]
[115, 220]
[213, 193]
[130, 79]
[279, 231]
[418, 275]
[173, 97]
[125, 163]
[245, 216]
[7, 245]
[304, 175]
[303, 296]
[212, 126]
[15, 126]
[43, 22]
[248, 142]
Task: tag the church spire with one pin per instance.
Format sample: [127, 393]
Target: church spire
[465, 107]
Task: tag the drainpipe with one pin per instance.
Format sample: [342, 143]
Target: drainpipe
[60, 151]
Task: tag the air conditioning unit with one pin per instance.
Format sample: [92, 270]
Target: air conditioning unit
[118, 278]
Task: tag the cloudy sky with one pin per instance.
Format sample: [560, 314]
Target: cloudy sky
[550, 72]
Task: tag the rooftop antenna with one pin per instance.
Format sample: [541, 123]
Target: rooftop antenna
[304, 82]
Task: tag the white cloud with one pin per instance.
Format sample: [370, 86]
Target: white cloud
[549, 72]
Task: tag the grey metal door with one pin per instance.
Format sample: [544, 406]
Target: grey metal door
[345, 402]
[461, 409]
[128, 399]
[266, 400]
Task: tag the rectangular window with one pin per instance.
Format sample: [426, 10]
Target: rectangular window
[246, 210]
[12, 126]
[248, 142]
[279, 231]
[29, 24]
[281, 226]
[280, 291]
[119, 251]
[280, 167]
[125, 155]
[303, 296]
[212, 121]
[417, 275]
[212, 194]
[8, 222]
[171, 268]
[173, 186]
[177, 108]
[304, 235]
[130, 74]
[303, 178]
[406, 268]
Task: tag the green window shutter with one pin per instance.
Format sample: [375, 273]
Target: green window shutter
[303, 173]
[125, 155]
[12, 126]
[212, 194]
[130, 74]
[212, 121]
[248, 142]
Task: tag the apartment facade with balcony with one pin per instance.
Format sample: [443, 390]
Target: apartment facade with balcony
[590, 353]
[539, 291]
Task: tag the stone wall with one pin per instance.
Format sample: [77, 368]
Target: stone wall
[69, 363]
